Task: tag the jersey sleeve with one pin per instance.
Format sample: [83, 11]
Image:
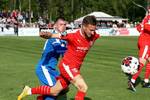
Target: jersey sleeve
[147, 28]
[96, 36]
[48, 47]
[139, 27]
[146, 24]
[68, 37]
[145, 20]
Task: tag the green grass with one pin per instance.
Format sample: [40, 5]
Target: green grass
[101, 68]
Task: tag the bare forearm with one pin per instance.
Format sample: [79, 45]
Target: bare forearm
[47, 35]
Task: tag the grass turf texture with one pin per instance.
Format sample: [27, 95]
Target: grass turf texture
[101, 68]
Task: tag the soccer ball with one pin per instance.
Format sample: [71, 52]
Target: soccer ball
[130, 65]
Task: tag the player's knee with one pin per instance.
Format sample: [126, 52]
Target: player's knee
[143, 61]
[83, 88]
[61, 91]
[148, 59]
[55, 93]
[55, 90]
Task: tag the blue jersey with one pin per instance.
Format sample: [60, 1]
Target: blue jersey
[53, 49]
[46, 69]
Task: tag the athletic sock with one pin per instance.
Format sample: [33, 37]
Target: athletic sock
[43, 90]
[80, 95]
[147, 72]
[134, 77]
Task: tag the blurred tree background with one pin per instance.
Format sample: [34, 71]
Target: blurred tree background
[134, 10]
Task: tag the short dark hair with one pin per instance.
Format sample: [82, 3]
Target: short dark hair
[89, 20]
[59, 18]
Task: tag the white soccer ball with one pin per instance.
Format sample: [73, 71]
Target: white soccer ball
[130, 65]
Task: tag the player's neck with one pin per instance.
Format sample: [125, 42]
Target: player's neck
[83, 34]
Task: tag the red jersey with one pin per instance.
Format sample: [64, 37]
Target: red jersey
[77, 48]
[144, 29]
[146, 19]
[144, 38]
[145, 23]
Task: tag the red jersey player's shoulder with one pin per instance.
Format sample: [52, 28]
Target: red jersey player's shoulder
[73, 31]
[69, 35]
[146, 18]
[97, 35]
[148, 15]
[147, 28]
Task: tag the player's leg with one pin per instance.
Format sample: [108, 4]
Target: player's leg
[63, 94]
[60, 85]
[64, 83]
[46, 77]
[143, 51]
[73, 75]
[142, 60]
[41, 90]
[146, 83]
[135, 76]
[45, 90]
[82, 87]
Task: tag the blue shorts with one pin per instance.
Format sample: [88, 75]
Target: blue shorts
[47, 76]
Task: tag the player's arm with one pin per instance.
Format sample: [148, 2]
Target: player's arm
[145, 20]
[147, 28]
[97, 35]
[140, 26]
[48, 35]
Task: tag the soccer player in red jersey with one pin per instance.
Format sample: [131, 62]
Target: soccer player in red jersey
[144, 52]
[78, 45]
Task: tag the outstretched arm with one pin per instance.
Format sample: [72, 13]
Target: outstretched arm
[48, 35]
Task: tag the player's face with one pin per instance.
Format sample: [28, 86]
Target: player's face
[89, 30]
[61, 25]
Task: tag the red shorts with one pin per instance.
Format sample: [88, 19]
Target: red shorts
[67, 73]
[144, 47]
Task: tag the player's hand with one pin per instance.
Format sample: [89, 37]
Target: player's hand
[139, 27]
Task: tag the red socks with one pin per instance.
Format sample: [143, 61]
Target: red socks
[43, 90]
[147, 71]
[80, 95]
[138, 73]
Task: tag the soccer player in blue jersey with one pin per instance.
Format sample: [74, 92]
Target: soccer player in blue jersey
[54, 48]
[79, 43]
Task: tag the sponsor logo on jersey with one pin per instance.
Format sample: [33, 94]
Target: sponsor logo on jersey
[83, 49]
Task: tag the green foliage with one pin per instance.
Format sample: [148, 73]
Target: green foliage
[3, 3]
[72, 9]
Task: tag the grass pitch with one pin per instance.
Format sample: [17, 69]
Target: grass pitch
[101, 68]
